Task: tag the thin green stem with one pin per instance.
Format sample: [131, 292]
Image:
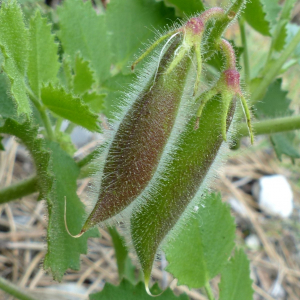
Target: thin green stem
[274, 70]
[245, 51]
[30, 185]
[14, 290]
[19, 190]
[271, 126]
[70, 128]
[58, 125]
[209, 292]
[43, 113]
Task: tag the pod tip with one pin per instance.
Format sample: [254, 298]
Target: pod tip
[66, 225]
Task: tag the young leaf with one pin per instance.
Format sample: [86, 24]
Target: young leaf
[83, 78]
[94, 101]
[125, 267]
[187, 7]
[255, 14]
[69, 107]
[63, 250]
[14, 46]
[43, 59]
[127, 291]
[235, 281]
[206, 239]
[81, 29]
[123, 18]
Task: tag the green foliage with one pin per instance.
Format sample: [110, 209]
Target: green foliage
[43, 59]
[6, 103]
[69, 107]
[209, 234]
[186, 8]
[235, 280]
[127, 291]
[63, 250]
[14, 47]
[276, 104]
[255, 14]
[125, 267]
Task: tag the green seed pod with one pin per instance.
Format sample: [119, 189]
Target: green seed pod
[139, 141]
[189, 165]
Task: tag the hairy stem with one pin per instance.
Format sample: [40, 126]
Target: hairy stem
[19, 190]
[274, 70]
[245, 52]
[271, 126]
[209, 291]
[30, 185]
[14, 290]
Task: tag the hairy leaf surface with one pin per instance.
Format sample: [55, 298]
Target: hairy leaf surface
[14, 47]
[206, 239]
[43, 62]
[235, 281]
[69, 107]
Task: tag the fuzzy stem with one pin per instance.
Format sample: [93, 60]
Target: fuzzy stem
[30, 185]
[209, 292]
[271, 126]
[245, 52]
[19, 190]
[274, 70]
[229, 53]
[14, 290]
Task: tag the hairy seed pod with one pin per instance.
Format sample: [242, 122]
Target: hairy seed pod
[140, 139]
[162, 204]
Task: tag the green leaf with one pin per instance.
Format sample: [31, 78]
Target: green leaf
[63, 250]
[209, 234]
[116, 87]
[280, 32]
[94, 101]
[275, 103]
[7, 106]
[127, 291]
[187, 7]
[255, 14]
[43, 59]
[283, 143]
[69, 107]
[83, 78]
[57, 174]
[235, 280]
[132, 23]
[125, 267]
[81, 29]
[292, 30]
[14, 46]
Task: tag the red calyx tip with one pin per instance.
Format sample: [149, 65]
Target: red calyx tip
[196, 25]
[232, 78]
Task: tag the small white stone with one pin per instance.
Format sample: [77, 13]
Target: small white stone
[252, 241]
[275, 196]
[196, 208]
